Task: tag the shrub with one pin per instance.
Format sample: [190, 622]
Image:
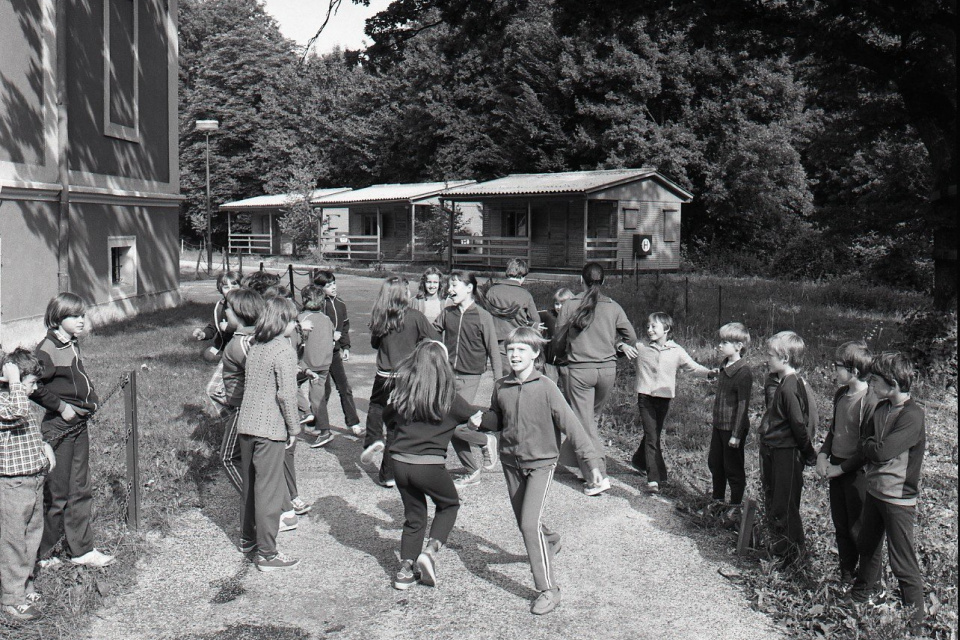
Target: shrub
[930, 338]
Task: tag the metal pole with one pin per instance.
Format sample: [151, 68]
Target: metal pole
[290, 272]
[209, 215]
[686, 297]
[133, 448]
[719, 304]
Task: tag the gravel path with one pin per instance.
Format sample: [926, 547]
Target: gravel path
[626, 569]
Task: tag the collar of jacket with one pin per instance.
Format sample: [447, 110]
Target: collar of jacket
[61, 339]
[732, 369]
[669, 344]
[510, 282]
[513, 379]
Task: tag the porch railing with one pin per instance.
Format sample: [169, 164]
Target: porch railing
[492, 251]
[602, 250]
[250, 243]
[347, 247]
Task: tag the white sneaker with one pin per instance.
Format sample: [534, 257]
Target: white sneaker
[367, 456]
[358, 429]
[50, 563]
[93, 558]
[288, 521]
[491, 453]
[596, 489]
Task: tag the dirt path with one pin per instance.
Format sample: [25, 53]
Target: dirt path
[626, 569]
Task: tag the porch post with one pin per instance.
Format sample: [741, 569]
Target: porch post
[270, 222]
[450, 238]
[229, 233]
[379, 231]
[585, 203]
[413, 232]
[529, 235]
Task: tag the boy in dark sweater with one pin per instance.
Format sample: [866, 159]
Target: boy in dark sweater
[531, 414]
[731, 421]
[511, 306]
[785, 447]
[840, 459]
[336, 310]
[893, 447]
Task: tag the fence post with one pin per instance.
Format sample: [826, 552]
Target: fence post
[261, 266]
[719, 305]
[290, 273]
[240, 260]
[131, 421]
[686, 297]
[747, 521]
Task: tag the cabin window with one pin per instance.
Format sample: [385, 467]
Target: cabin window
[631, 218]
[514, 222]
[601, 219]
[121, 69]
[671, 224]
[368, 224]
[124, 266]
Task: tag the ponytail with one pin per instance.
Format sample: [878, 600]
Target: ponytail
[583, 316]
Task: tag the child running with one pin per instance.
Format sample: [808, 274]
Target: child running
[317, 348]
[395, 329]
[657, 363]
[336, 310]
[423, 411]
[531, 414]
[69, 398]
[25, 460]
[471, 339]
[592, 331]
[430, 300]
[269, 422]
[219, 329]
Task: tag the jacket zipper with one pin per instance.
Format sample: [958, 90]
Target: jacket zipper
[456, 357]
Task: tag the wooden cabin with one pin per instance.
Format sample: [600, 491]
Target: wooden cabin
[383, 220]
[253, 224]
[621, 218]
[89, 172]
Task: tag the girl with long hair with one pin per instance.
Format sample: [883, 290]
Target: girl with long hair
[430, 299]
[423, 411]
[592, 331]
[395, 329]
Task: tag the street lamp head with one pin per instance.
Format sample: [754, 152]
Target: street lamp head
[207, 125]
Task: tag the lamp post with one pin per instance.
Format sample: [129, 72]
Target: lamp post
[207, 126]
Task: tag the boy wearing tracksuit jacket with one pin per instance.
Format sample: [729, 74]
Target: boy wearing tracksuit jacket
[529, 411]
[511, 306]
[336, 310]
[893, 447]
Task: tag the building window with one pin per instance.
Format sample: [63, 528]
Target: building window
[513, 222]
[368, 224]
[631, 218]
[121, 69]
[601, 219]
[123, 266]
[671, 225]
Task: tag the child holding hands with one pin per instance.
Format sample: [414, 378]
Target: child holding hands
[25, 460]
[529, 449]
[219, 330]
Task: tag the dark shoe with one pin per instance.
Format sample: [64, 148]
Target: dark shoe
[546, 602]
[862, 596]
[406, 576]
[324, 437]
[427, 563]
[847, 577]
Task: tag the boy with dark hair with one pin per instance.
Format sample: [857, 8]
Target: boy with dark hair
[511, 306]
[785, 447]
[315, 359]
[336, 310]
[25, 460]
[893, 447]
[219, 330]
[840, 459]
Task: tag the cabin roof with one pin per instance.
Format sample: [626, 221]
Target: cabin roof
[380, 193]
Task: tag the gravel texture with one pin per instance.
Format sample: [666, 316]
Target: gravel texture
[627, 570]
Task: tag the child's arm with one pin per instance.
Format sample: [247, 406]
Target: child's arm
[489, 331]
[493, 419]
[797, 422]
[567, 422]
[628, 337]
[46, 398]
[826, 449]
[741, 421]
[687, 363]
[904, 434]
[286, 374]
[14, 406]
[344, 334]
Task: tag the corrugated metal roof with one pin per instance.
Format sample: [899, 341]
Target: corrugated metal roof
[570, 182]
[390, 193]
[278, 200]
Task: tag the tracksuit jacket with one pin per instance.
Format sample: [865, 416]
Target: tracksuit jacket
[786, 419]
[212, 330]
[336, 310]
[531, 416]
[893, 448]
[868, 404]
[317, 344]
[470, 338]
[64, 379]
[595, 346]
[422, 442]
[397, 345]
[506, 294]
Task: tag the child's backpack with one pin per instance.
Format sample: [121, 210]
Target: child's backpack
[215, 388]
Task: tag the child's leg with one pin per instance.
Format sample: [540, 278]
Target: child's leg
[248, 478]
[379, 396]
[230, 450]
[583, 387]
[662, 406]
[733, 469]
[69, 498]
[414, 511]
[786, 528]
[21, 527]
[845, 509]
[528, 493]
[318, 400]
[339, 376]
[870, 546]
[303, 397]
[715, 464]
[435, 481]
[269, 492]
[466, 442]
[290, 471]
[900, 521]
[386, 463]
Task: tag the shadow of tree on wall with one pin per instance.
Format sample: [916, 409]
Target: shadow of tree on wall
[21, 122]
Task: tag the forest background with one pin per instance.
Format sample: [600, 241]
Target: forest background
[814, 138]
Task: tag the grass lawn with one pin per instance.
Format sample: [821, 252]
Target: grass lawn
[179, 440]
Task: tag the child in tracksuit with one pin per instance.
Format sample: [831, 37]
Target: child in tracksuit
[840, 458]
[336, 310]
[219, 330]
[511, 306]
[893, 447]
[25, 460]
[529, 411]
[731, 420]
[554, 364]
[785, 447]
[315, 360]
[68, 396]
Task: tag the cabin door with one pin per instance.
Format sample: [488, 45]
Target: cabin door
[559, 236]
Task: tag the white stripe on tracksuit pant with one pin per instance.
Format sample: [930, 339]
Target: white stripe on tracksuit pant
[528, 495]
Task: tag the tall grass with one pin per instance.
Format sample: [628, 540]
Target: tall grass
[825, 314]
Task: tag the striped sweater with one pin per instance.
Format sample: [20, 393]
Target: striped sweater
[269, 408]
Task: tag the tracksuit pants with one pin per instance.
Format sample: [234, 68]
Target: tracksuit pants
[264, 492]
[338, 377]
[68, 493]
[528, 494]
[466, 440]
[587, 392]
[379, 396]
[312, 399]
[652, 412]
[781, 473]
[416, 482]
[846, 507]
[230, 448]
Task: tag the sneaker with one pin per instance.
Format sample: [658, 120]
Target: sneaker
[847, 577]
[50, 563]
[596, 489]
[491, 452]
[389, 484]
[24, 611]
[546, 602]
[367, 456]
[288, 521]
[653, 487]
[307, 419]
[324, 437]
[862, 596]
[406, 576]
[358, 429]
[93, 558]
[276, 563]
[467, 480]
[246, 547]
[300, 507]
[34, 597]
[427, 563]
